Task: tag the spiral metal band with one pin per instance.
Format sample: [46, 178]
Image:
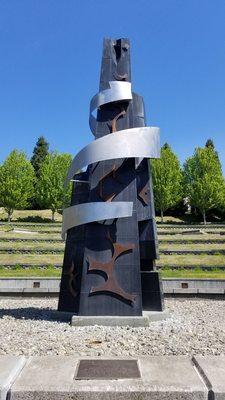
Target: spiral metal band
[118, 91]
[129, 143]
[142, 142]
[92, 212]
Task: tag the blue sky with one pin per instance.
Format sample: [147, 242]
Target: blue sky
[50, 54]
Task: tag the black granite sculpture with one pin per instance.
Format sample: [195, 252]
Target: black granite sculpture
[111, 239]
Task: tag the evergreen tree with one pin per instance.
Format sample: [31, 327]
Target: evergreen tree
[167, 180]
[16, 182]
[50, 189]
[204, 180]
[39, 153]
[210, 143]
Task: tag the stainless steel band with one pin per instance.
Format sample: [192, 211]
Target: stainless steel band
[92, 212]
[117, 91]
[142, 142]
[130, 143]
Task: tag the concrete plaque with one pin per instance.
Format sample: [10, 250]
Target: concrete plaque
[107, 369]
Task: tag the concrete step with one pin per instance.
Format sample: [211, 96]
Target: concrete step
[141, 378]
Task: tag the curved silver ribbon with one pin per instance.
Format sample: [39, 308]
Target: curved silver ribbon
[117, 91]
[91, 212]
[135, 142]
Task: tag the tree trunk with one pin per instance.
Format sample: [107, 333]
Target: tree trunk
[204, 217]
[9, 215]
[53, 215]
[161, 216]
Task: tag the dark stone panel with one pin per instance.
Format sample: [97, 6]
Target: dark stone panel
[75, 235]
[151, 281]
[103, 304]
[101, 238]
[120, 230]
[151, 191]
[69, 292]
[80, 190]
[138, 108]
[115, 61]
[148, 239]
[146, 230]
[147, 250]
[70, 286]
[145, 208]
[147, 265]
[109, 180]
[152, 301]
[69, 296]
[152, 294]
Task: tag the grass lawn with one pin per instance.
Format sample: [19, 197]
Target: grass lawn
[53, 272]
[31, 259]
[191, 259]
[189, 238]
[195, 274]
[35, 235]
[188, 230]
[198, 246]
[34, 229]
[171, 220]
[46, 215]
[31, 215]
[32, 246]
[49, 272]
[23, 218]
[185, 220]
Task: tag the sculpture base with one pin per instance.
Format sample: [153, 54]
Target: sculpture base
[135, 322]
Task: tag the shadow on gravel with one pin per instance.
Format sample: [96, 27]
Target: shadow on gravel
[36, 314]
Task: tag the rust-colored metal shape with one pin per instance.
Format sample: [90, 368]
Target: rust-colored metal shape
[111, 285]
[112, 123]
[73, 274]
[143, 194]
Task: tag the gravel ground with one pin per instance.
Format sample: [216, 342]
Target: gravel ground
[196, 326]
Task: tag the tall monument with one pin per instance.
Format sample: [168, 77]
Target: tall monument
[111, 239]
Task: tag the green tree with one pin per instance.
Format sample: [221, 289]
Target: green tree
[50, 189]
[204, 182]
[39, 153]
[16, 182]
[210, 143]
[167, 180]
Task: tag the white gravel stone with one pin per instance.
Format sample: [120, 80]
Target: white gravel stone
[196, 326]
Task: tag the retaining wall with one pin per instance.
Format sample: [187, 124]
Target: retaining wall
[49, 286]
